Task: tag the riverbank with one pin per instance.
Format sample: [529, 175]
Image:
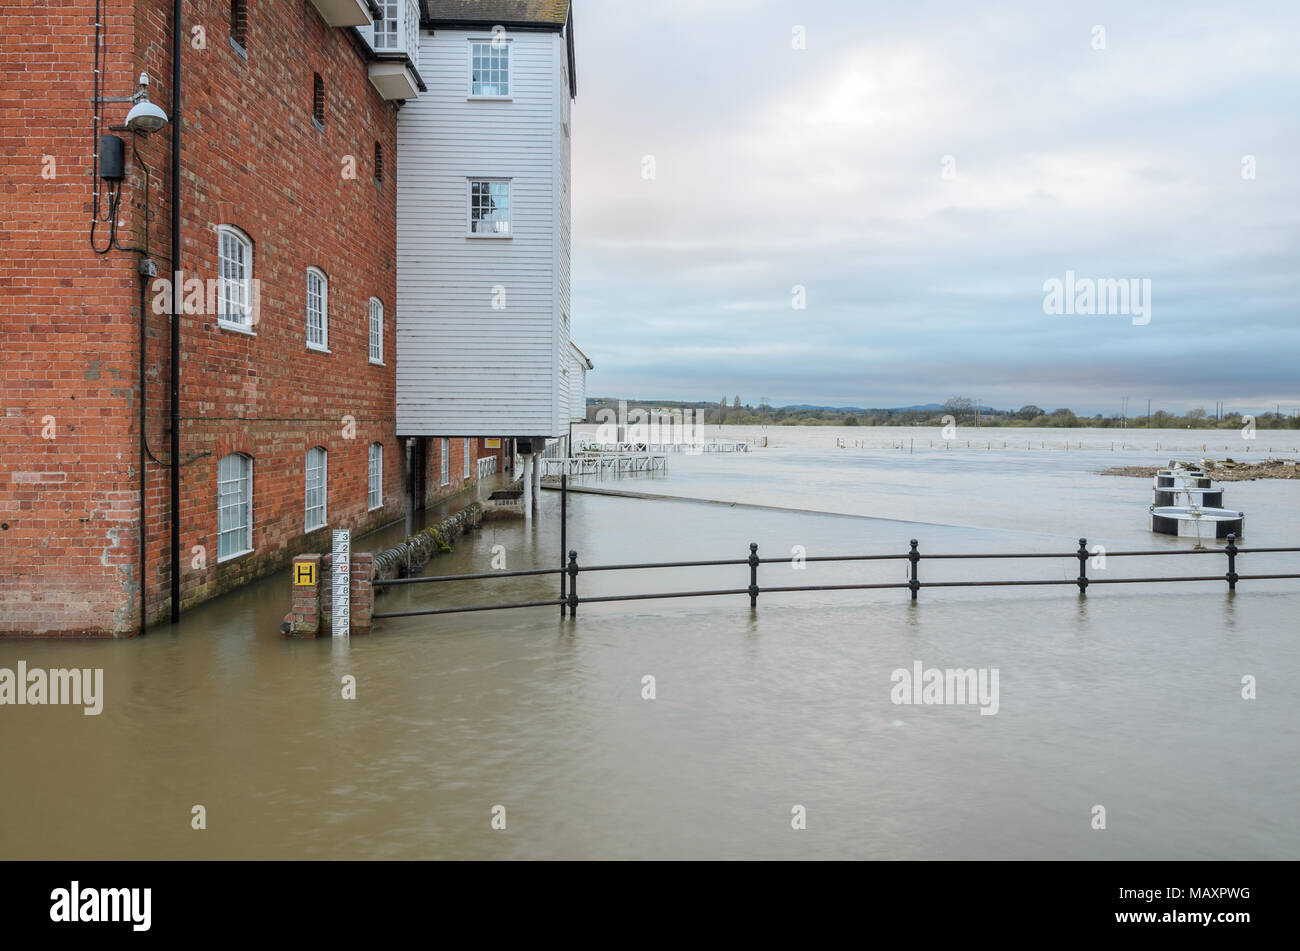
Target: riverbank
[1226, 471]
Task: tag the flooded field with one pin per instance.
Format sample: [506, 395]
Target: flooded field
[1130, 699]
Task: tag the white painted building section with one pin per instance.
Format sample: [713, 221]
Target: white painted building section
[579, 364]
[483, 316]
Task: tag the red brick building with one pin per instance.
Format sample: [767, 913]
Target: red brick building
[286, 346]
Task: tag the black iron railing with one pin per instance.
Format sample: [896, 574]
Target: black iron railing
[570, 599]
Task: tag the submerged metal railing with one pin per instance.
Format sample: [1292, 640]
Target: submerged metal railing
[569, 600]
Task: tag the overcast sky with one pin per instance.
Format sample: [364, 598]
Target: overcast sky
[824, 167]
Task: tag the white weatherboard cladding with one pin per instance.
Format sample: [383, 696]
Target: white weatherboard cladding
[577, 387]
[463, 367]
[563, 220]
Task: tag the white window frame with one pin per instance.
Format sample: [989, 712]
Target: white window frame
[380, 43]
[375, 477]
[444, 462]
[308, 508]
[467, 455]
[490, 42]
[322, 344]
[469, 209]
[245, 478]
[376, 331]
[234, 293]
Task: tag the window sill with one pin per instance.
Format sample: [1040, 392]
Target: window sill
[235, 556]
[378, 363]
[374, 508]
[308, 531]
[236, 328]
[320, 126]
[238, 47]
[489, 98]
[489, 237]
[318, 348]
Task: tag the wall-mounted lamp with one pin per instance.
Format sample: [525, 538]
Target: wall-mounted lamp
[144, 116]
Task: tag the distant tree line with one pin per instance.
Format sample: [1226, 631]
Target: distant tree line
[965, 412]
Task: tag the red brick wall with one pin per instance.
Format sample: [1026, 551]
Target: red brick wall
[435, 491]
[67, 503]
[251, 157]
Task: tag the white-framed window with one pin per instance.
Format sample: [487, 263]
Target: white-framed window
[489, 68]
[387, 36]
[375, 495]
[234, 279]
[376, 331]
[318, 309]
[489, 208]
[316, 482]
[446, 461]
[234, 506]
[467, 455]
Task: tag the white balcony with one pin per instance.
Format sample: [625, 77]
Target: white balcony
[394, 37]
[344, 12]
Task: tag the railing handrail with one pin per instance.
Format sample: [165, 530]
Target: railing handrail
[569, 601]
[902, 556]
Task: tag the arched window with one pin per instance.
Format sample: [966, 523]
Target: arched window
[234, 506]
[318, 307]
[376, 331]
[375, 497]
[235, 279]
[316, 484]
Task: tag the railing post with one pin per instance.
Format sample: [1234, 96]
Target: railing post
[1232, 561]
[753, 574]
[573, 584]
[1083, 565]
[564, 533]
[914, 557]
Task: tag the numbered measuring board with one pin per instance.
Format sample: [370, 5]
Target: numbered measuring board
[341, 584]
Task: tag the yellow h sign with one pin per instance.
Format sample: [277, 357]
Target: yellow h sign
[304, 575]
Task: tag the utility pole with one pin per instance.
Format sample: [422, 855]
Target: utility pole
[1148, 414]
[1123, 417]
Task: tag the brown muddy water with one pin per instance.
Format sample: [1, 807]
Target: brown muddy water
[1130, 699]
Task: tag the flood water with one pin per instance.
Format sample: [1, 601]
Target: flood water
[1129, 699]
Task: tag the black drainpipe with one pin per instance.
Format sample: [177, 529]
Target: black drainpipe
[177, 46]
[144, 481]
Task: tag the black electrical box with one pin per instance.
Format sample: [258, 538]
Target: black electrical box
[112, 158]
[523, 446]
